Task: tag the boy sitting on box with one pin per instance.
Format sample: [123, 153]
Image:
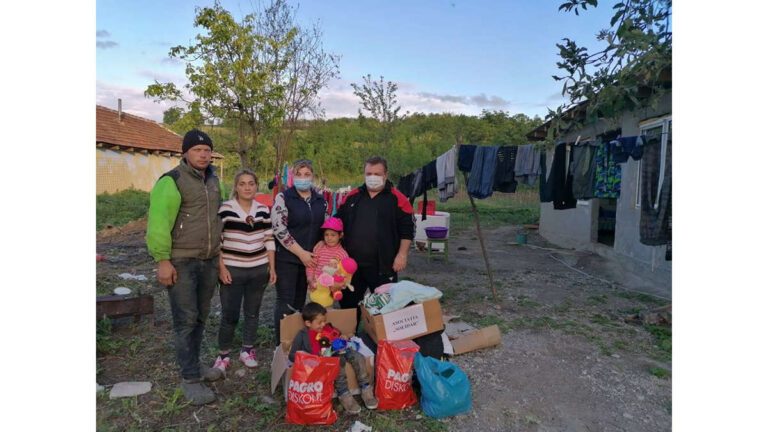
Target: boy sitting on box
[308, 340]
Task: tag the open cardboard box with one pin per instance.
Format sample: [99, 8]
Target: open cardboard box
[406, 323]
[342, 319]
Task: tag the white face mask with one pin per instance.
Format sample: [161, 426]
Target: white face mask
[374, 182]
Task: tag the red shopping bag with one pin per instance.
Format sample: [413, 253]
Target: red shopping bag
[394, 367]
[310, 390]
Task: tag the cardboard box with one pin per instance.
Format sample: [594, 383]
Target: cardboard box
[342, 319]
[470, 341]
[407, 323]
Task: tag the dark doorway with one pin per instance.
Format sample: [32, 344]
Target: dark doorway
[606, 221]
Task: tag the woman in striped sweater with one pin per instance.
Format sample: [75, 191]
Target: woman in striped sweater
[247, 263]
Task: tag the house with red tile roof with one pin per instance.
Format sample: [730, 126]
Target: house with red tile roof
[133, 152]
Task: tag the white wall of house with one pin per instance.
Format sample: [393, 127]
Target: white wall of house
[576, 228]
[117, 170]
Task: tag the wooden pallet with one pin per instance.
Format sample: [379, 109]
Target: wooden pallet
[115, 306]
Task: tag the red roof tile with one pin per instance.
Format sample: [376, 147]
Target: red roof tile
[134, 131]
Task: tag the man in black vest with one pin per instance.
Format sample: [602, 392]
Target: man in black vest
[183, 236]
[378, 231]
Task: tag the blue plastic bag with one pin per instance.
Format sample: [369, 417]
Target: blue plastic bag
[445, 389]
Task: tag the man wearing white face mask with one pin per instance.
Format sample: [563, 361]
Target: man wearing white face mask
[378, 231]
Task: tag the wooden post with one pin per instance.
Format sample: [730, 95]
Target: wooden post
[479, 231]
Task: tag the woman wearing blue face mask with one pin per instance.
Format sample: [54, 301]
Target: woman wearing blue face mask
[297, 215]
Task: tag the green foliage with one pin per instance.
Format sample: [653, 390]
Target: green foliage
[663, 338]
[121, 207]
[173, 403]
[633, 68]
[660, 372]
[105, 342]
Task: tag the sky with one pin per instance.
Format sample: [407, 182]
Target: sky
[456, 56]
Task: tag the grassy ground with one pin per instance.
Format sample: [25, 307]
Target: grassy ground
[120, 208]
[500, 209]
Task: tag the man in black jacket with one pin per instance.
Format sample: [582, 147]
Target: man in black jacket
[378, 231]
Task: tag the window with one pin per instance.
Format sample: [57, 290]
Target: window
[661, 129]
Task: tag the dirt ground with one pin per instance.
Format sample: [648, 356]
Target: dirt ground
[568, 360]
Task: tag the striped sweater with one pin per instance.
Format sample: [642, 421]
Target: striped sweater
[246, 237]
[323, 255]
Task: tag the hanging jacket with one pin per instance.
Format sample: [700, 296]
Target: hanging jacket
[504, 181]
[607, 174]
[466, 157]
[562, 181]
[527, 164]
[583, 170]
[446, 175]
[656, 202]
[624, 147]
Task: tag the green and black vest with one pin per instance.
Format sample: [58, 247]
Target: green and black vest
[197, 230]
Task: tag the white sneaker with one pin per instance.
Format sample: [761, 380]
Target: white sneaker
[249, 358]
[221, 364]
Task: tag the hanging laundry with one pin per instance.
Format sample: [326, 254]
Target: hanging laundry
[480, 184]
[545, 185]
[428, 181]
[505, 170]
[561, 180]
[405, 185]
[624, 147]
[446, 175]
[466, 157]
[583, 170]
[527, 164]
[656, 194]
[607, 174]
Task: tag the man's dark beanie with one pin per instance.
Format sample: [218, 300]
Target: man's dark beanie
[195, 137]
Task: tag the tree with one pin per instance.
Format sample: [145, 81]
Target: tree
[228, 79]
[380, 100]
[181, 121]
[309, 69]
[172, 115]
[632, 70]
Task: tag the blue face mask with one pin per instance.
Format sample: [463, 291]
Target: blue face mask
[302, 184]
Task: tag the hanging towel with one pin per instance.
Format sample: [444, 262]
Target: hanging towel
[656, 194]
[466, 157]
[583, 170]
[545, 185]
[446, 175]
[624, 147]
[527, 167]
[607, 174]
[505, 170]
[561, 181]
[483, 172]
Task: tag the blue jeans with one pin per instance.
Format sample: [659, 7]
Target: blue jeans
[190, 300]
[357, 361]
